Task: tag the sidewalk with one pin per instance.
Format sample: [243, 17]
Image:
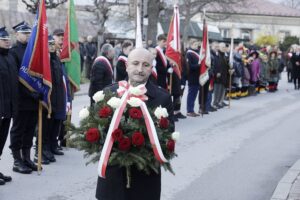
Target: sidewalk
[289, 186]
[84, 89]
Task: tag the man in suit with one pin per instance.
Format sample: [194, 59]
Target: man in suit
[8, 92]
[25, 122]
[143, 186]
[102, 70]
[161, 62]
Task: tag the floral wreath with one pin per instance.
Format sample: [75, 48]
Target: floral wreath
[124, 132]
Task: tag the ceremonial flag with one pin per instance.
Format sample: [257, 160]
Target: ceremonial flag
[138, 30]
[70, 52]
[205, 60]
[35, 72]
[173, 51]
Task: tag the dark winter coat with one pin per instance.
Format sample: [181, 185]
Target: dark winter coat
[8, 85]
[143, 186]
[101, 76]
[193, 66]
[222, 67]
[296, 68]
[161, 68]
[27, 100]
[91, 51]
[121, 67]
[58, 94]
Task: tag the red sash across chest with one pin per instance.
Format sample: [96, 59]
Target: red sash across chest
[105, 60]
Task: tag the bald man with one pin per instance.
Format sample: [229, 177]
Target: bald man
[143, 186]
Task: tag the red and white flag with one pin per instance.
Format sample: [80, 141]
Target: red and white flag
[173, 51]
[205, 60]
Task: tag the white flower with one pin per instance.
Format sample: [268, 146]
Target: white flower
[114, 102]
[138, 90]
[175, 136]
[134, 102]
[161, 112]
[83, 113]
[98, 96]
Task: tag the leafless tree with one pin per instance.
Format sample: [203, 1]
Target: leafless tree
[101, 10]
[154, 7]
[291, 3]
[190, 8]
[32, 5]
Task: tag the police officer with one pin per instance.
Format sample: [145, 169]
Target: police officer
[8, 92]
[24, 124]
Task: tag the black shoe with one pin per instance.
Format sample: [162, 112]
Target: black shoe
[49, 155]
[224, 104]
[60, 148]
[212, 109]
[27, 161]
[5, 178]
[2, 182]
[19, 166]
[175, 119]
[45, 161]
[180, 116]
[55, 151]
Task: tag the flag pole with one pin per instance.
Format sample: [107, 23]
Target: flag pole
[202, 86]
[40, 138]
[231, 67]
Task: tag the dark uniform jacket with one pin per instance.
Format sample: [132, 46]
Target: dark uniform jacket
[8, 85]
[296, 68]
[143, 186]
[27, 100]
[161, 68]
[91, 51]
[121, 67]
[192, 58]
[101, 76]
[58, 94]
[222, 67]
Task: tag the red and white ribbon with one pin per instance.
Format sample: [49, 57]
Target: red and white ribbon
[124, 91]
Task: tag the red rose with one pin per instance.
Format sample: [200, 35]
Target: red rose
[135, 113]
[164, 123]
[138, 139]
[124, 144]
[105, 112]
[117, 134]
[92, 135]
[171, 145]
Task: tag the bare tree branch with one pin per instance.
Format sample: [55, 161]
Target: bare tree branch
[32, 5]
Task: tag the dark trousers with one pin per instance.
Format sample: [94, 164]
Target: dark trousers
[4, 128]
[88, 67]
[209, 101]
[203, 91]
[192, 95]
[176, 102]
[142, 187]
[297, 80]
[51, 129]
[23, 129]
[289, 76]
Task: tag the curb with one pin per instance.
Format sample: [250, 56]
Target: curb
[289, 186]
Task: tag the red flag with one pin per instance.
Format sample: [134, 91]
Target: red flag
[173, 51]
[35, 72]
[204, 60]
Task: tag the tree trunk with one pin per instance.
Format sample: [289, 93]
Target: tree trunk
[153, 11]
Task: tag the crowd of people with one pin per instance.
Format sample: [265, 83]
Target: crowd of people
[250, 71]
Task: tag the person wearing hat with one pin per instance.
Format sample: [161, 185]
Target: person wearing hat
[8, 92]
[51, 126]
[24, 124]
[273, 70]
[255, 70]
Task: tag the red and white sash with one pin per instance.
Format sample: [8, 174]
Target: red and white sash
[126, 95]
[123, 58]
[162, 56]
[194, 53]
[104, 59]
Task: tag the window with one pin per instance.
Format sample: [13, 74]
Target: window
[246, 34]
[224, 32]
[283, 34]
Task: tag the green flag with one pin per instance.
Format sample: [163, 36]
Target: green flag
[70, 52]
